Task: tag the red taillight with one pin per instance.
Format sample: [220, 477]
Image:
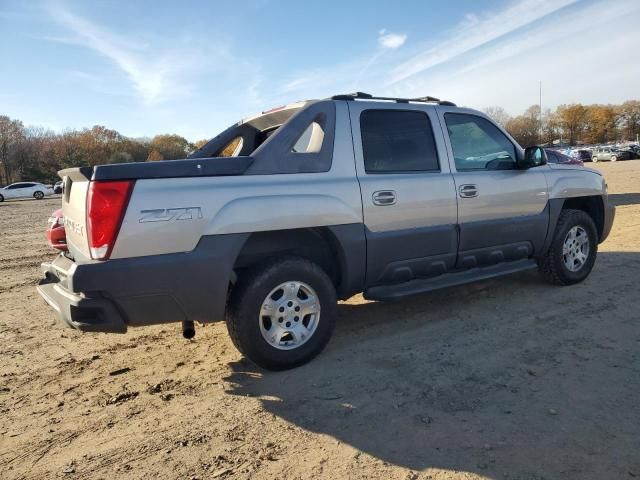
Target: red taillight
[106, 205]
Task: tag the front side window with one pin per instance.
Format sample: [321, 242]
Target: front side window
[478, 144]
[397, 141]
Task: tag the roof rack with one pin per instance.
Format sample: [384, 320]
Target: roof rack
[368, 96]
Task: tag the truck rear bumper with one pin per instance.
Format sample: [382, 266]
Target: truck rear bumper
[112, 295]
[80, 312]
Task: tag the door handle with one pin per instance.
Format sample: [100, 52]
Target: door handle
[468, 191]
[384, 197]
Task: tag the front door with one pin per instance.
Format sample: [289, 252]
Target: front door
[408, 194]
[17, 190]
[503, 212]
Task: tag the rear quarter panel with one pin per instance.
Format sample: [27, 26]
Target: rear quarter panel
[240, 204]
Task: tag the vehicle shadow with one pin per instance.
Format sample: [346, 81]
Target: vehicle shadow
[619, 199]
[508, 378]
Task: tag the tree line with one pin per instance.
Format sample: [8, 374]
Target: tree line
[36, 153]
[572, 124]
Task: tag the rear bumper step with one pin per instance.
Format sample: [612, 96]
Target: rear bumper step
[80, 312]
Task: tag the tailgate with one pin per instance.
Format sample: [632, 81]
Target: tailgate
[74, 207]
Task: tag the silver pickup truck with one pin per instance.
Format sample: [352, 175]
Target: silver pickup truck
[283, 213]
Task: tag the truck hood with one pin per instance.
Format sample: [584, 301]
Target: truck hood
[565, 166]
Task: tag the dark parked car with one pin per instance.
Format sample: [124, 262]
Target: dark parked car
[57, 188]
[633, 152]
[582, 154]
[554, 156]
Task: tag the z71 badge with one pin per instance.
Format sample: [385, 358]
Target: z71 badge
[170, 214]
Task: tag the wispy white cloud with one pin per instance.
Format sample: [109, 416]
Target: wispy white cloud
[391, 40]
[475, 31]
[499, 58]
[574, 63]
[155, 77]
[347, 76]
[554, 31]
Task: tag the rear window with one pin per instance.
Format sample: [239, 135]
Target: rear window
[397, 141]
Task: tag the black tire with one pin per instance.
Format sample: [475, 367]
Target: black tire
[1, 198]
[552, 266]
[38, 195]
[245, 302]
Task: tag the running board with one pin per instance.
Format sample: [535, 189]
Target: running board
[421, 285]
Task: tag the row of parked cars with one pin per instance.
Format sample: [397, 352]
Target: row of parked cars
[604, 153]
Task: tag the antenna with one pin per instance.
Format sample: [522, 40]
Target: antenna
[541, 111]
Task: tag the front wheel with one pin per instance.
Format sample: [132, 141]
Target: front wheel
[282, 313]
[573, 249]
[614, 158]
[594, 159]
[38, 195]
[1, 199]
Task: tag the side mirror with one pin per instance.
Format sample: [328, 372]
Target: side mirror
[533, 157]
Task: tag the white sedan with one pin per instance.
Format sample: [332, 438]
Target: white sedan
[25, 190]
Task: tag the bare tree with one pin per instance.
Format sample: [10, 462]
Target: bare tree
[498, 114]
[11, 133]
[629, 119]
[525, 128]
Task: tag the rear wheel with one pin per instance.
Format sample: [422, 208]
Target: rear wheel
[282, 313]
[573, 250]
[38, 195]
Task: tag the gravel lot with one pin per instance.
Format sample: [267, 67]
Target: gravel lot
[509, 378]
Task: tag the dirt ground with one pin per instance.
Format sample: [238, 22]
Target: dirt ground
[505, 379]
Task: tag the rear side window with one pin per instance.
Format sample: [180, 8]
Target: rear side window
[397, 141]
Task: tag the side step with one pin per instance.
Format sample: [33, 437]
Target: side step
[421, 285]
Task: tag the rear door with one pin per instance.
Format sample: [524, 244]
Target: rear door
[408, 195]
[29, 190]
[502, 212]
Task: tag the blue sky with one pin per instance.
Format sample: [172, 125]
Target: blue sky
[195, 67]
